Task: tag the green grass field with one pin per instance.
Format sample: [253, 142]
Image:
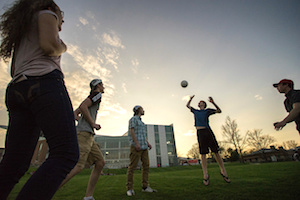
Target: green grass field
[249, 181]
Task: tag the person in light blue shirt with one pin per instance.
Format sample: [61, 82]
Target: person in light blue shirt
[206, 137]
[138, 151]
[139, 132]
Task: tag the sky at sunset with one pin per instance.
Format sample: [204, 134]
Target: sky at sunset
[231, 50]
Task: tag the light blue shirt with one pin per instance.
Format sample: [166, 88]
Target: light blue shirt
[139, 130]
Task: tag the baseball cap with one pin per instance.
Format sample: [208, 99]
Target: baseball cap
[95, 82]
[284, 81]
[136, 108]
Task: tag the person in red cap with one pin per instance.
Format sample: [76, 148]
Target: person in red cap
[291, 103]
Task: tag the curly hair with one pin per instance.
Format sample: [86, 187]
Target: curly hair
[15, 23]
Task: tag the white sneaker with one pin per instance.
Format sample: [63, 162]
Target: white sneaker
[148, 189]
[130, 193]
[89, 198]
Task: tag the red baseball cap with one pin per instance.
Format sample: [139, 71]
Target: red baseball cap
[284, 81]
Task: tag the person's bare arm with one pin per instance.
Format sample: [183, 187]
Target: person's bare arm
[133, 136]
[149, 145]
[291, 117]
[84, 108]
[77, 112]
[49, 39]
[211, 100]
[189, 102]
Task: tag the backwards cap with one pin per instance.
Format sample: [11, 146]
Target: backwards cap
[136, 108]
[95, 82]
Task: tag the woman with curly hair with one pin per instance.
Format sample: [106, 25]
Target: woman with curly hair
[36, 99]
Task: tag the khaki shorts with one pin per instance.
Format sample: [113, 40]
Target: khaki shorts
[89, 149]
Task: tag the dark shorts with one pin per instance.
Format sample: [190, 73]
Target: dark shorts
[206, 138]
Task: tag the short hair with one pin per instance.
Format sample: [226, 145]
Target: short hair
[203, 102]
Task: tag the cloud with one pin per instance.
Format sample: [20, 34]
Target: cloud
[135, 64]
[258, 97]
[90, 15]
[186, 98]
[111, 45]
[190, 133]
[116, 108]
[91, 65]
[111, 56]
[124, 87]
[88, 62]
[83, 21]
[113, 40]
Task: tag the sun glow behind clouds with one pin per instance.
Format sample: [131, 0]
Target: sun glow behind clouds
[98, 61]
[258, 97]
[190, 133]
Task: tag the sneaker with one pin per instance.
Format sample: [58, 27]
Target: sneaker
[130, 193]
[148, 189]
[89, 198]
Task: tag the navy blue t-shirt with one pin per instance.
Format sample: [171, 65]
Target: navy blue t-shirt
[201, 116]
[293, 96]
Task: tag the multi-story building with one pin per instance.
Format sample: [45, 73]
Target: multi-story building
[163, 153]
[115, 150]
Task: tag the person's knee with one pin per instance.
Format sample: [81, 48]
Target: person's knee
[99, 164]
[78, 168]
[146, 166]
[216, 153]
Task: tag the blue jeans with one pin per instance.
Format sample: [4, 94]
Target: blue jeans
[34, 105]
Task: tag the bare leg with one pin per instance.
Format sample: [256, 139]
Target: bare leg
[95, 174]
[221, 165]
[72, 173]
[204, 168]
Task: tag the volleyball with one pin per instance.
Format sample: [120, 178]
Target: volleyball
[184, 83]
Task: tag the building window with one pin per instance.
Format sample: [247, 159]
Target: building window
[124, 154]
[112, 154]
[101, 144]
[157, 149]
[171, 160]
[158, 159]
[156, 135]
[169, 129]
[125, 144]
[171, 148]
[111, 144]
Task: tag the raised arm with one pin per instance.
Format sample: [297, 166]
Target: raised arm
[211, 100]
[189, 102]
